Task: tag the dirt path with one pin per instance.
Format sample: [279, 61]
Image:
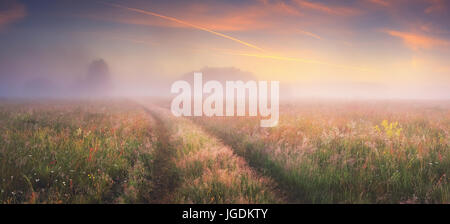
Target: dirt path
[168, 179]
[165, 178]
[260, 162]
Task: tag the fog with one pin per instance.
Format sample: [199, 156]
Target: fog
[60, 70]
[95, 78]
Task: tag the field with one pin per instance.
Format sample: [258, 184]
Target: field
[125, 151]
[349, 152]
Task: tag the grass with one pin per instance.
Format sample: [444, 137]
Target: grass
[117, 151]
[74, 152]
[386, 152]
[209, 172]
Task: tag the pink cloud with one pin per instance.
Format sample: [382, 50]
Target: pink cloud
[436, 6]
[217, 16]
[331, 10]
[380, 2]
[418, 41]
[14, 11]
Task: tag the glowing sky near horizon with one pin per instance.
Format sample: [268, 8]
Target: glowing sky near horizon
[398, 42]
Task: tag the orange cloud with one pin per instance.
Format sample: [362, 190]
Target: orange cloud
[217, 16]
[228, 23]
[380, 2]
[279, 7]
[332, 10]
[182, 22]
[417, 41]
[13, 13]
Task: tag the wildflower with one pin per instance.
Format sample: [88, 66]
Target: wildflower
[90, 154]
[78, 132]
[390, 129]
[87, 134]
[377, 128]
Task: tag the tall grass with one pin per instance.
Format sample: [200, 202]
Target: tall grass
[74, 152]
[115, 152]
[209, 171]
[349, 152]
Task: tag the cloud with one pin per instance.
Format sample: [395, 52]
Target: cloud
[282, 7]
[331, 10]
[418, 41]
[217, 16]
[279, 7]
[304, 32]
[380, 2]
[437, 6]
[254, 15]
[13, 12]
[303, 60]
[182, 22]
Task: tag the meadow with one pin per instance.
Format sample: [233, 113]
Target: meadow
[75, 152]
[124, 151]
[349, 152]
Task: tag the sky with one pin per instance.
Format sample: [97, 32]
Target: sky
[367, 48]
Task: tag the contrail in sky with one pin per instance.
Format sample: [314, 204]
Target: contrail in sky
[145, 12]
[184, 23]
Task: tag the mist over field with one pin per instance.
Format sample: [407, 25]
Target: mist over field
[98, 80]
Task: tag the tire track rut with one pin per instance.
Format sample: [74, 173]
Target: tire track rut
[165, 176]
